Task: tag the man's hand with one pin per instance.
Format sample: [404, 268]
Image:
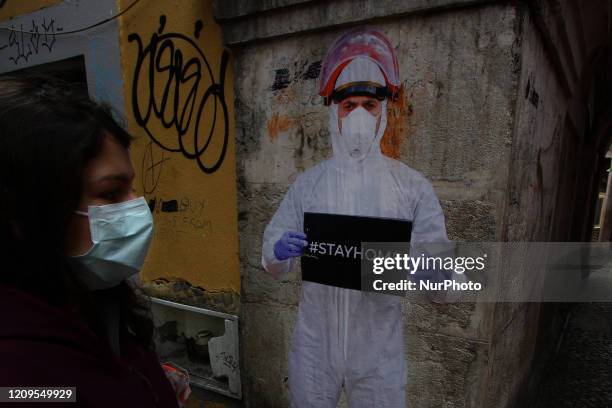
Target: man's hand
[290, 245]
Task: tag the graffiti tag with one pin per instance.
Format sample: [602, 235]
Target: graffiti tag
[151, 169]
[23, 44]
[170, 89]
[228, 360]
[301, 70]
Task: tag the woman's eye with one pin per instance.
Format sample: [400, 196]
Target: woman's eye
[110, 195]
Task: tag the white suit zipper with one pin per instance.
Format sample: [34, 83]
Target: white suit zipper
[346, 313]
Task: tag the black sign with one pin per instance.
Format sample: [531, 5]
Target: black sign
[333, 256]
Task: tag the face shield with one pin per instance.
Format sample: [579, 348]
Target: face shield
[361, 43]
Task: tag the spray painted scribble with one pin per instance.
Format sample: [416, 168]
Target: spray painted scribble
[153, 161]
[180, 216]
[228, 360]
[183, 99]
[25, 42]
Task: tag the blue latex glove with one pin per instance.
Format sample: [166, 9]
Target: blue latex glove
[290, 245]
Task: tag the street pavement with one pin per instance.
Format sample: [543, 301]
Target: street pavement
[581, 374]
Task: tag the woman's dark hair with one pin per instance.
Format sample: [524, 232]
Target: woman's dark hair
[49, 130]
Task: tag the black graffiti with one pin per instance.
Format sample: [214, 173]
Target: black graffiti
[161, 64]
[198, 28]
[301, 70]
[151, 203]
[228, 360]
[313, 71]
[182, 205]
[24, 43]
[153, 160]
[281, 79]
[169, 206]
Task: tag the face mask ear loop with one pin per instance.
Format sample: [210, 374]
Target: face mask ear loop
[83, 213]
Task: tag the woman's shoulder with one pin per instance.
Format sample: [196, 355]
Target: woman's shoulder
[40, 345]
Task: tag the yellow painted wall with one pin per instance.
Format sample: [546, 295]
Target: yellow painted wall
[13, 8]
[195, 235]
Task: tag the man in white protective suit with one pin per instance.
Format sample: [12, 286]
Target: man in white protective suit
[344, 336]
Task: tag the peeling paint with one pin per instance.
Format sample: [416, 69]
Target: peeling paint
[181, 291]
[277, 124]
[397, 125]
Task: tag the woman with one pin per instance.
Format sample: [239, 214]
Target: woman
[71, 232]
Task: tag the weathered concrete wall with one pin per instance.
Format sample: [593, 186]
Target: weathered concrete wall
[535, 157]
[453, 123]
[553, 165]
[269, 19]
[551, 132]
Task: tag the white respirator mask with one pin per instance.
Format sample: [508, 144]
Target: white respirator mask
[358, 132]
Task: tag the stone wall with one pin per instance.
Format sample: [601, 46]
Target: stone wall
[556, 156]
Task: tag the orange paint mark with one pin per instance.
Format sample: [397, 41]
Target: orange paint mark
[277, 124]
[397, 125]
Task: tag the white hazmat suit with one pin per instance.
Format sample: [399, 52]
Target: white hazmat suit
[345, 336]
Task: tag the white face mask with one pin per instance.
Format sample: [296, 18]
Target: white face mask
[121, 234]
[358, 132]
